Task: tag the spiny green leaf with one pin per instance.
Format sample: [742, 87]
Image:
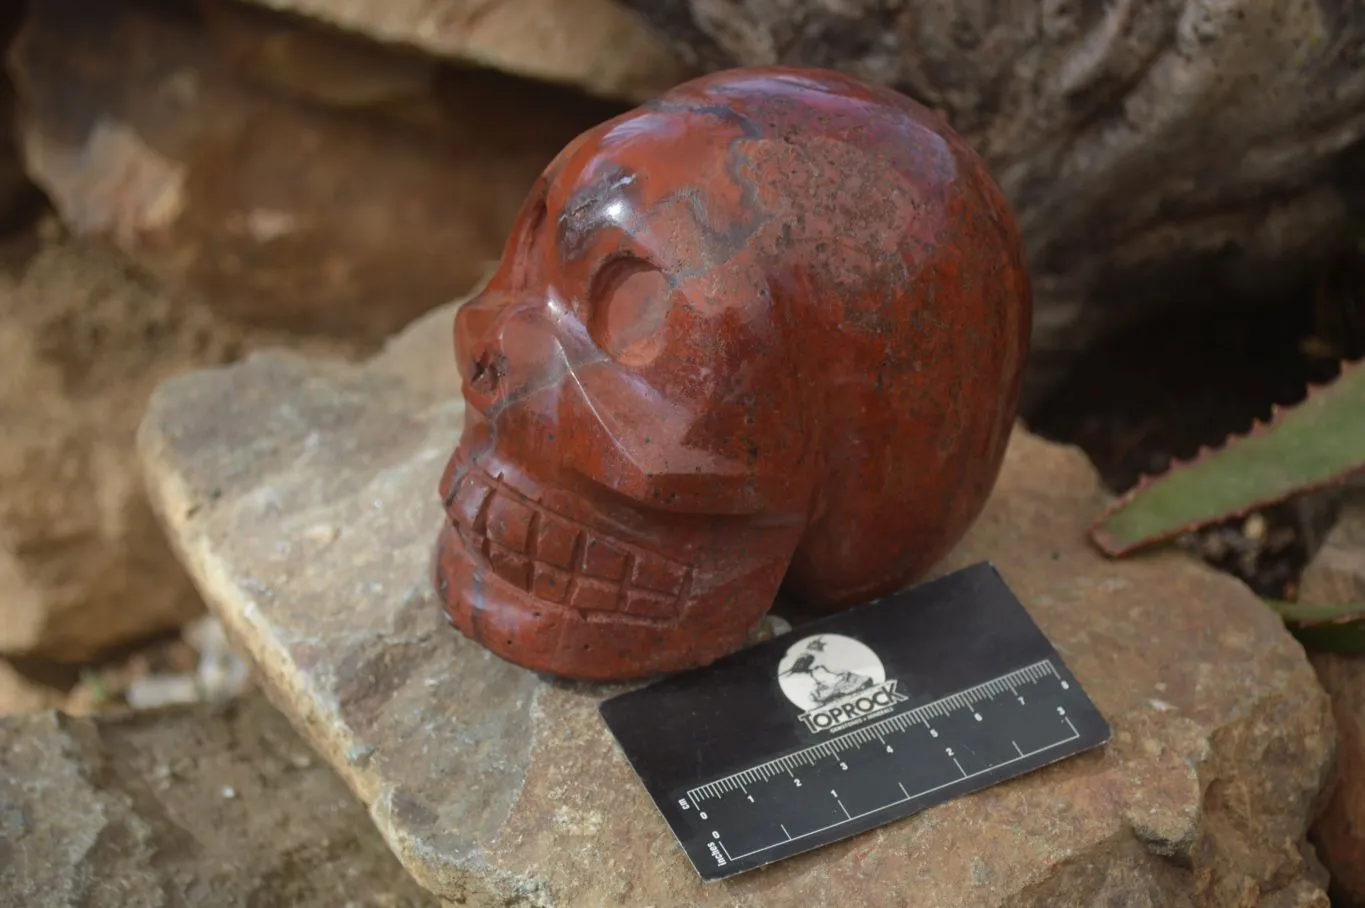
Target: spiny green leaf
[1305, 447]
[1347, 639]
[1326, 628]
[1310, 614]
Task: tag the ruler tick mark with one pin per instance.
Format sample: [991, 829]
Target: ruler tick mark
[1021, 683]
[908, 797]
[951, 709]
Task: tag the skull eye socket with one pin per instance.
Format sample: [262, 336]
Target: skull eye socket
[526, 242]
[629, 299]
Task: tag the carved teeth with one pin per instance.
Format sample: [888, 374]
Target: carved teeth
[550, 583]
[558, 560]
[594, 595]
[603, 560]
[513, 567]
[556, 540]
[468, 505]
[509, 523]
[658, 575]
[649, 605]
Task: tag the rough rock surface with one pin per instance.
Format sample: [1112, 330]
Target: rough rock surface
[292, 177]
[1336, 576]
[193, 806]
[597, 45]
[20, 200]
[19, 694]
[1147, 147]
[83, 340]
[301, 496]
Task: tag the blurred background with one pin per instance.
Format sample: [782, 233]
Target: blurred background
[184, 182]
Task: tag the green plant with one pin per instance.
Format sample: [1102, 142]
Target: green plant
[1313, 445]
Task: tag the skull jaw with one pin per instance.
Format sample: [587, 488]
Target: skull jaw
[593, 646]
[573, 582]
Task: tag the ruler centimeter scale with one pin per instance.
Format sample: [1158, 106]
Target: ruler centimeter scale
[799, 795]
[816, 736]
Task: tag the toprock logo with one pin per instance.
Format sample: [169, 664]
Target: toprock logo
[837, 681]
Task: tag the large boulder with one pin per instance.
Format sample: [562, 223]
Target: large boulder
[1336, 576]
[597, 45]
[19, 695]
[20, 200]
[291, 176]
[1336, 573]
[1157, 154]
[196, 806]
[302, 497]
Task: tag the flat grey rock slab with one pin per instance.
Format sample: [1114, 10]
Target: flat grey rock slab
[301, 495]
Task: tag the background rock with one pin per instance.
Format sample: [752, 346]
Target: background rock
[292, 177]
[19, 695]
[301, 495]
[83, 340]
[597, 45]
[20, 200]
[196, 806]
[1336, 576]
[1157, 154]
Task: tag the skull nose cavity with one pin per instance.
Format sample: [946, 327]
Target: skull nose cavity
[486, 373]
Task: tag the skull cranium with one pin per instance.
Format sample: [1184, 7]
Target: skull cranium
[767, 331]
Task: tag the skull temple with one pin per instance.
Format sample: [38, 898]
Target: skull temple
[764, 333]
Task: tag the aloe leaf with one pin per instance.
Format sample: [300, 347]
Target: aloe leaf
[1309, 614]
[1314, 444]
[1325, 628]
[1347, 639]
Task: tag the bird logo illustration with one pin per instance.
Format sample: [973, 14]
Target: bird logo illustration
[829, 684]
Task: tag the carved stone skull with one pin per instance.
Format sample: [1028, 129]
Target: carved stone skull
[766, 332]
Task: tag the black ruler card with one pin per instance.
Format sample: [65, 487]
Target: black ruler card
[853, 721]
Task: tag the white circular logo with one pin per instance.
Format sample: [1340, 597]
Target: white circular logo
[820, 670]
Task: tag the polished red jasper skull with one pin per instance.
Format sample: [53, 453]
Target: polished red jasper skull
[764, 333]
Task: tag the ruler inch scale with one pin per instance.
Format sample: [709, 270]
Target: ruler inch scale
[853, 721]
